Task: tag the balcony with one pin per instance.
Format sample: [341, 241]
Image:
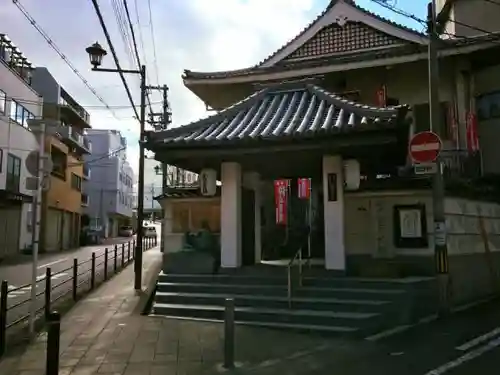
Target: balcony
[73, 138]
[85, 200]
[86, 172]
[74, 111]
[12, 58]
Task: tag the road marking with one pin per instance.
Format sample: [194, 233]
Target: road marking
[52, 263]
[479, 340]
[465, 358]
[22, 291]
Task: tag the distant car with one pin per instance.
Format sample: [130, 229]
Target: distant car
[126, 231]
[149, 231]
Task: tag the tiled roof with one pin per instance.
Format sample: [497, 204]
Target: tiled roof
[183, 193]
[293, 110]
[190, 74]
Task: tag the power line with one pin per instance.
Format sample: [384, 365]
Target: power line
[35, 102]
[151, 28]
[115, 57]
[122, 26]
[102, 157]
[54, 46]
[134, 46]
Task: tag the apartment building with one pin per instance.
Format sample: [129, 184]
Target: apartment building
[62, 203]
[153, 178]
[109, 192]
[18, 103]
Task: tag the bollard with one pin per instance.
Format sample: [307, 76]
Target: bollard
[92, 272]
[115, 260]
[128, 252]
[105, 263]
[123, 255]
[229, 334]
[3, 317]
[48, 290]
[53, 337]
[75, 278]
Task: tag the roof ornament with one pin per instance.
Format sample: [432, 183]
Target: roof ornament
[341, 20]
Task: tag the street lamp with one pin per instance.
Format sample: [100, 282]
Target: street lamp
[96, 54]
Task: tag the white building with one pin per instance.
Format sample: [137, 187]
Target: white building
[110, 186]
[18, 103]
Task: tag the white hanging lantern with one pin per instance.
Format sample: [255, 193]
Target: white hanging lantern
[208, 182]
[351, 174]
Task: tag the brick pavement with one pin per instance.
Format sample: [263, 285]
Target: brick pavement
[105, 334]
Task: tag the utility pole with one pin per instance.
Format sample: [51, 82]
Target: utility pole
[438, 190]
[162, 124]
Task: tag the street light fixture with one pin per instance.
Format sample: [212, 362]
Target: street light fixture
[96, 54]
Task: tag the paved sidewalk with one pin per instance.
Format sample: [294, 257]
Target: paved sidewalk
[104, 333]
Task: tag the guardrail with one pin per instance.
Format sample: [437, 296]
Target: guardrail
[91, 272]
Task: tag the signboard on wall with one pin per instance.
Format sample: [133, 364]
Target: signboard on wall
[281, 201]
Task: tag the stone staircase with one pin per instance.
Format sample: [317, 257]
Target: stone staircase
[346, 306]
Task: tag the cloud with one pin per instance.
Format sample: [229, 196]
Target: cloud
[196, 34]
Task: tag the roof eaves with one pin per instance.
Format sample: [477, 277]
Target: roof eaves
[383, 113]
[207, 121]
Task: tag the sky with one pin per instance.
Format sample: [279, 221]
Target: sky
[201, 35]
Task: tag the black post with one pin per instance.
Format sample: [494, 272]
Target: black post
[140, 187]
[123, 255]
[115, 259]
[105, 263]
[53, 337]
[48, 290]
[75, 278]
[92, 272]
[229, 334]
[128, 252]
[3, 316]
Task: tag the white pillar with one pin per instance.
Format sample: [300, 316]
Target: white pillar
[335, 258]
[230, 215]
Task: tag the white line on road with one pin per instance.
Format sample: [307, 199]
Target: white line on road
[479, 340]
[52, 263]
[465, 358]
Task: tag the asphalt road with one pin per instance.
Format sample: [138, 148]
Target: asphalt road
[61, 265]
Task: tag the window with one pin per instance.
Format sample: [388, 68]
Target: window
[13, 173]
[76, 182]
[59, 162]
[20, 114]
[3, 102]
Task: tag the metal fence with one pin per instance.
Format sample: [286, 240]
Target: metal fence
[56, 288]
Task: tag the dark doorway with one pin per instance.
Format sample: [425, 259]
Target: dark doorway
[248, 227]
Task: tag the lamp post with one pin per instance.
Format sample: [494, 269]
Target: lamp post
[96, 53]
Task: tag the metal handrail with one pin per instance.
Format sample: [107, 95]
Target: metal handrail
[298, 254]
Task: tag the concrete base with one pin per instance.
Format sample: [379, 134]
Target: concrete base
[187, 262]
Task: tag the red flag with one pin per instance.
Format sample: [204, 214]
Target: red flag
[304, 187]
[472, 136]
[281, 200]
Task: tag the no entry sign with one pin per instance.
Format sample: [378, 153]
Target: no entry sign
[425, 147]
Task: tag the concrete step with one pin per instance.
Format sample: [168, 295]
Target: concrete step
[333, 304]
[347, 331]
[281, 290]
[270, 315]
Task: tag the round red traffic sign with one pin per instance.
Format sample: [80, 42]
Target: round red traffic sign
[425, 147]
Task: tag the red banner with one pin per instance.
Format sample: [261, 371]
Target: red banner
[382, 96]
[304, 188]
[281, 201]
[472, 136]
